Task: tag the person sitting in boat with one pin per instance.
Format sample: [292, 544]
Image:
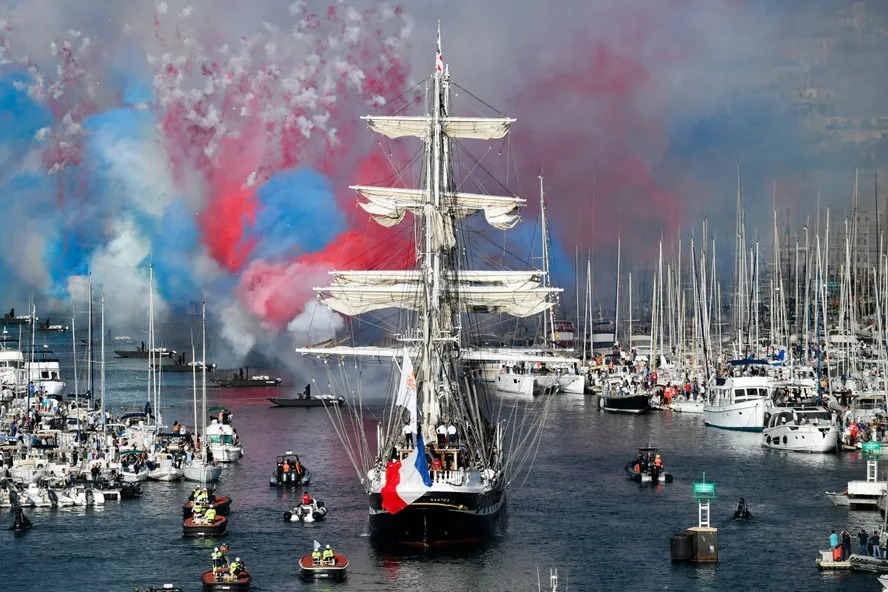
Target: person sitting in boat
[210, 515]
[237, 568]
[659, 463]
[316, 556]
[197, 511]
[306, 499]
[285, 469]
[328, 556]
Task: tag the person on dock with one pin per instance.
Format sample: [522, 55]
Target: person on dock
[877, 550]
[863, 538]
[846, 544]
[833, 541]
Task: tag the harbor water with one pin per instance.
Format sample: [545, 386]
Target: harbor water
[572, 509]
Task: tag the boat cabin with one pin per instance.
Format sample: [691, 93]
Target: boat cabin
[815, 416]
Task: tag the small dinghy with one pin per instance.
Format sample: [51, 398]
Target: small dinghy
[201, 528]
[310, 510]
[314, 569]
[226, 582]
[742, 512]
[647, 467]
[289, 471]
[164, 588]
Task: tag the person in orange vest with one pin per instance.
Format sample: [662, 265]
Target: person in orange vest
[306, 499]
[659, 462]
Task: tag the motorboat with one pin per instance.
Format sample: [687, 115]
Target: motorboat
[312, 569]
[620, 401]
[226, 581]
[800, 429]
[314, 401]
[242, 379]
[739, 401]
[166, 467]
[223, 441]
[684, 405]
[220, 503]
[203, 528]
[645, 469]
[289, 471]
[312, 511]
[742, 512]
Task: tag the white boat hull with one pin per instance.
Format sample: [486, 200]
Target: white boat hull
[227, 453]
[573, 384]
[685, 406]
[806, 438]
[748, 416]
[202, 472]
[515, 384]
[166, 474]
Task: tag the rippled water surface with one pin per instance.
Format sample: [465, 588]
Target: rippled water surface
[576, 510]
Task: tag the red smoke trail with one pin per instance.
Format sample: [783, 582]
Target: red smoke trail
[606, 129]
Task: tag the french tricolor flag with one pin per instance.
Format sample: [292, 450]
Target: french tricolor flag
[406, 480]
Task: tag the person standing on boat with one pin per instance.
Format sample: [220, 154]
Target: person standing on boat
[451, 435]
[877, 550]
[409, 430]
[846, 544]
[441, 431]
[218, 564]
[833, 541]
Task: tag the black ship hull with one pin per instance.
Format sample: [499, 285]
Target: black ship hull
[626, 403]
[438, 519]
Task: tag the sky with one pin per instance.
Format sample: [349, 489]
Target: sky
[217, 145]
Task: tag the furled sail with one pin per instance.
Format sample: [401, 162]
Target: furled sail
[476, 128]
[515, 293]
[388, 205]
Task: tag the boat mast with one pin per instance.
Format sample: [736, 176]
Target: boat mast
[203, 384]
[102, 367]
[549, 315]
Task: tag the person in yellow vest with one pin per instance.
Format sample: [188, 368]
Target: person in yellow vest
[210, 516]
[197, 511]
[329, 558]
[316, 557]
[217, 563]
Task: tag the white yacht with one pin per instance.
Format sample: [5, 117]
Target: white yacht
[800, 429]
[223, 442]
[739, 401]
[46, 374]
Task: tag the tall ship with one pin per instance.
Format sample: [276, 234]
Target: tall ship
[442, 458]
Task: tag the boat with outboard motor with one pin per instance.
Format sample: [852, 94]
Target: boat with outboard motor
[623, 402]
[310, 510]
[211, 582]
[742, 512]
[647, 467]
[220, 503]
[315, 569]
[289, 471]
[200, 527]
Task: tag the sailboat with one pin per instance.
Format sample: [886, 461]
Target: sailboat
[199, 468]
[454, 489]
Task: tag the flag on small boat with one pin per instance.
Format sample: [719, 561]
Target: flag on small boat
[317, 546]
[407, 480]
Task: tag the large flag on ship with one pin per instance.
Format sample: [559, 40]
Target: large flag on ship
[406, 480]
[407, 388]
